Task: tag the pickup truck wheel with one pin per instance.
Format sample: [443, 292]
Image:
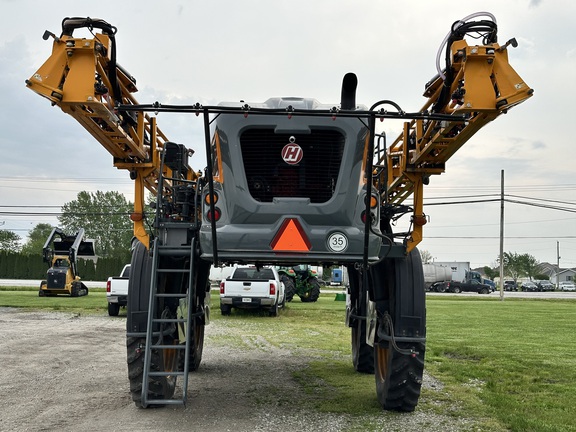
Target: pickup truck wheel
[225, 309]
[456, 290]
[274, 310]
[158, 387]
[289, 287]
[113, 309]
[483, 291]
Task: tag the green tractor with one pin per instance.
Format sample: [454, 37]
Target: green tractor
[300, 280]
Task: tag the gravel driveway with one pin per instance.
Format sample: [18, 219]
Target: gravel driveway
[60, 371]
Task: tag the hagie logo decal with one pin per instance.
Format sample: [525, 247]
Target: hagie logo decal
[292, 153]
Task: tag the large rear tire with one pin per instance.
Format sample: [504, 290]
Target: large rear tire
[289, 287]
[158, 387]
[399, 376]
[399, 365]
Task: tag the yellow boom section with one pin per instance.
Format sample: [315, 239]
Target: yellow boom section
[77, 78]
[484, 85]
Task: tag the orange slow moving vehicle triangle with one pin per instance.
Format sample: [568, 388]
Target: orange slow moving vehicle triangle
[291, 237]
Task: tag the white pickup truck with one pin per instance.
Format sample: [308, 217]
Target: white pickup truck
[252, 287]
[117, 291]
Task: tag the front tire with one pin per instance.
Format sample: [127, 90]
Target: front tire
[362, 353]
[313, 293]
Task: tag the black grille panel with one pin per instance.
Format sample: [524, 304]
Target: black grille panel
[269, 176]
[56, 280]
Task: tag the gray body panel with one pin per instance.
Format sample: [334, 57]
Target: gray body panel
[248, 226]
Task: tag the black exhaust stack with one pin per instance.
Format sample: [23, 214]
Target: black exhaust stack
[348, 97]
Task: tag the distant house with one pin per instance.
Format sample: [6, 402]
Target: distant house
[548, 269]
[565, 275]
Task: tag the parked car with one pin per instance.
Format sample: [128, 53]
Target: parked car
[530, 286]
[117, 291]
[469, 286]
[491, 283]
[438, 287]
[545, 285]
[567, 286]
[510, 285]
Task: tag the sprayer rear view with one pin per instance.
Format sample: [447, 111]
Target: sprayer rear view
[288, 181]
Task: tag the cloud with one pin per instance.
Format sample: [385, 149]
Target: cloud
[191, 52]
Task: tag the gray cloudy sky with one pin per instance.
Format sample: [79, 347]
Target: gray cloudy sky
[213, 51]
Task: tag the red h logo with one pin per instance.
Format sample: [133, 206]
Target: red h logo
[292, 153]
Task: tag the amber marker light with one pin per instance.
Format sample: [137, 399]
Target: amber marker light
[211, 198]
[419, 220]
[136, 217]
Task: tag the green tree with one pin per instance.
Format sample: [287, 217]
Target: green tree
[491, 272]
[513, 265]
[9, 241]
[104, 217]
[530, 265]
[36, 238]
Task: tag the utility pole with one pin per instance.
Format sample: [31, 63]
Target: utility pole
[557, 264]
[501, 235]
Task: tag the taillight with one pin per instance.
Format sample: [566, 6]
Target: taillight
[217, 214]
[107, 286]
[222, 287]
[363, 217]
[272, 288]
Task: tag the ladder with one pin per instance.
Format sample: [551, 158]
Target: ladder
[154, 339]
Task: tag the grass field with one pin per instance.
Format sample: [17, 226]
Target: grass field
[508, 365]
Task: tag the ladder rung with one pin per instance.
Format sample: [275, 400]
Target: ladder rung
[173, 271]
[163, 374]
[178, 346]
[170, 295]
[174, 250]
[165, 402]
[169, 320]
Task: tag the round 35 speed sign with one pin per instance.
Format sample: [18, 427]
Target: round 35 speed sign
[337, 242]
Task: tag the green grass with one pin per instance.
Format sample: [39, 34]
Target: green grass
[92, 304]
[513, 360]
[507, 365]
